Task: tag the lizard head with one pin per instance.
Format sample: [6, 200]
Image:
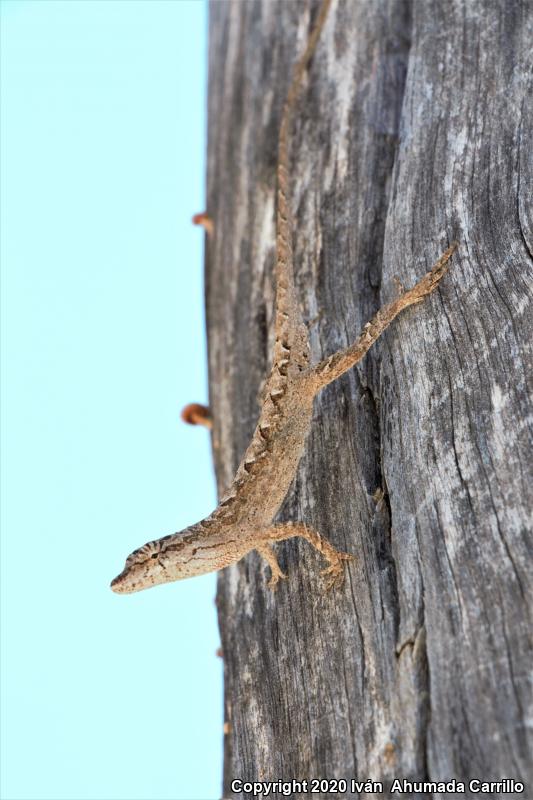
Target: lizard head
[171, 558]
[145, 567]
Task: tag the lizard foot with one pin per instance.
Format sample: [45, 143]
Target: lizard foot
[431, 279]
[275, 579]
[266, 552]
[334, 574]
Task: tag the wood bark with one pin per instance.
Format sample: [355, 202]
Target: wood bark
[414, 129]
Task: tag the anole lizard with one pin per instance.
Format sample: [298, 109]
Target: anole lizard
[243, 519]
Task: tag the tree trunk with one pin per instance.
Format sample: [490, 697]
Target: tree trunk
[412, 131]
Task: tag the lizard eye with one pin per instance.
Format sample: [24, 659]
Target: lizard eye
[154, 555]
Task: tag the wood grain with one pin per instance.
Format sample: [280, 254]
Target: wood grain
[414, 129]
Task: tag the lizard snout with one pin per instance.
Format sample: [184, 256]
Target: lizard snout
[119, 585]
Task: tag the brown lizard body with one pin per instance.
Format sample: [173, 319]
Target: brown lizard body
[243, 519]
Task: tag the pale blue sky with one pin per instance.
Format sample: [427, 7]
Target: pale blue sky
[102, 115]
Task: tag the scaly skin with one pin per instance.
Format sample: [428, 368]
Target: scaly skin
[243, 519]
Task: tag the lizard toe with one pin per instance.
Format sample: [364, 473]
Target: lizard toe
[275, 579]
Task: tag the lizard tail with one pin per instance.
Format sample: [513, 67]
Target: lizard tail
[290, 332]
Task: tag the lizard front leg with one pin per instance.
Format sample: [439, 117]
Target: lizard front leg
[333, 573]
[266, 552]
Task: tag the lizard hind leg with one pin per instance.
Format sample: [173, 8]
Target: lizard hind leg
[334, 572]
[336, 365]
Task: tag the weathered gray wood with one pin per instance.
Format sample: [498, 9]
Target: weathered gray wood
[412, 131]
